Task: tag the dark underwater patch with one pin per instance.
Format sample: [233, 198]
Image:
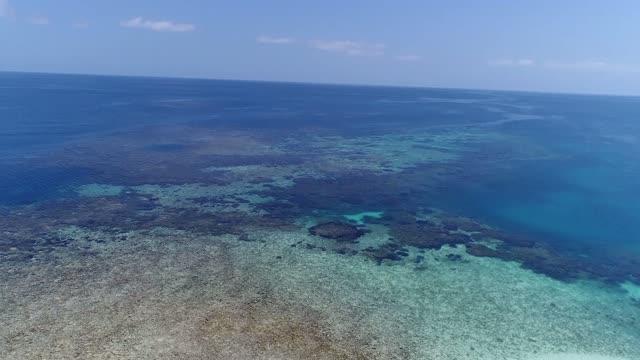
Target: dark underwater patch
[403, 195]
[335, 230]
[21, 185]
[167, 147]
[388, 252]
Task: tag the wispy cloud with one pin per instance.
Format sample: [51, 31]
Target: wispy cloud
[5, 9]
[524, 62]
[408, 58]
[264, 39]
[162, 25]
[581, 65]
[38, 20]
[576, 65]
[349, 47]
[591, 65]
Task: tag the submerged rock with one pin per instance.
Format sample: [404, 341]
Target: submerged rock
[426, 235]
[337, 230]
[389, 251]
[480, 250]
[462, 223]
[538, 259]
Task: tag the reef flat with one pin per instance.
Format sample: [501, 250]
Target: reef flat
[304, 239]
[171, 294]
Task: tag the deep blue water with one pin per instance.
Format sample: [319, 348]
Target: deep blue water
[588, 197]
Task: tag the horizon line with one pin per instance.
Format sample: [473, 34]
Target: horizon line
[346, 84]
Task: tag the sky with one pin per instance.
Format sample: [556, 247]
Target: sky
[574, 46]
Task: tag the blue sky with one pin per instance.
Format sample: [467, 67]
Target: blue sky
[562, 46]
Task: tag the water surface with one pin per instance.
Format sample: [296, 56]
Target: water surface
[214, 202]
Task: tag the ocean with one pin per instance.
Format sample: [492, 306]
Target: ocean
[186, 218]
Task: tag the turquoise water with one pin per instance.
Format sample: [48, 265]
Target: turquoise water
[585, 204]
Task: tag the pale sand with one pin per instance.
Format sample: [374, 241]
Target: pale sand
[171, 295]
[576, 357]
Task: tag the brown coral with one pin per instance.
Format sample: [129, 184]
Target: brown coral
[337, 230]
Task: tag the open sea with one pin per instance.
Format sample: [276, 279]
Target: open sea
[153, 218]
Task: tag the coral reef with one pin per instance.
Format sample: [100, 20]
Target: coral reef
[390, 251]
[337, 230]
[165, 293]
[567, 266]
[423, 234]
[232, 244]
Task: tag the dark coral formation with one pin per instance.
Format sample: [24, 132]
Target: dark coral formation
[480, 250]
[389, 251]
[343, 193]
[144, 156]
[426, 235]
[402, 196]
[454, 257]
[561, 265]
[538, 259]
[31, 229]
[462, 223]
[431, 234]
[336, 230]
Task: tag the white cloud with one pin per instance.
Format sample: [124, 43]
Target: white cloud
[408, 58]
[525, 62]
[592, 65]
[38, 20]
[264, 39]
[349, 47]
[582, 65]
[164, 25]
[513, 62]
[5, 9]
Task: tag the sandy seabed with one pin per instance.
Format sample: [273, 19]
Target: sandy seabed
[167, 294]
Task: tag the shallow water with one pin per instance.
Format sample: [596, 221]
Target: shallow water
[222, 219]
